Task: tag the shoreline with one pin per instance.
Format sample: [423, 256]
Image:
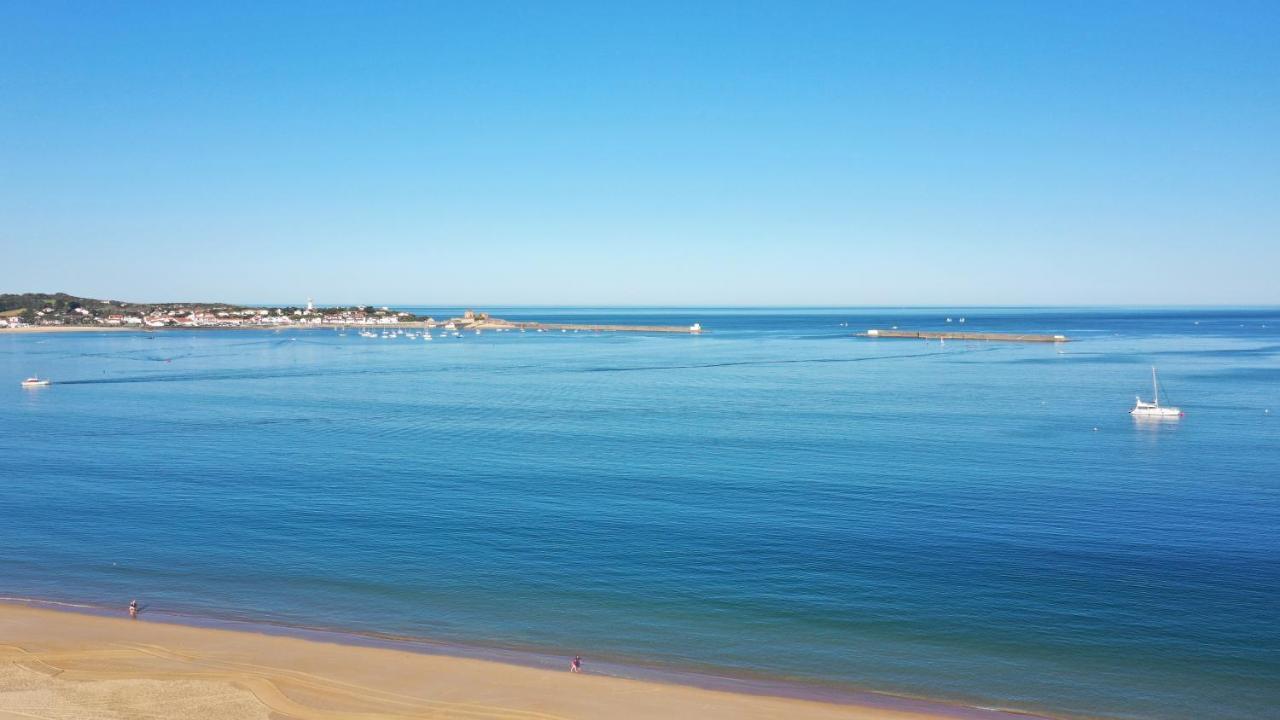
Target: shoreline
[37, 329]
[712, 695]
[416, 325]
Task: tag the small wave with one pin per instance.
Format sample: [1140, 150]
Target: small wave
[801, 361]
[38, 601]
[225, 375]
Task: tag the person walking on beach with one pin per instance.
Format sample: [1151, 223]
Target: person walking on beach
[133, 609]
[575, 665]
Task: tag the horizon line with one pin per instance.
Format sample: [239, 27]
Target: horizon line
[676, 306]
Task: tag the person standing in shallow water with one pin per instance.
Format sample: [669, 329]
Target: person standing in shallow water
[575, 665]
[133, 609]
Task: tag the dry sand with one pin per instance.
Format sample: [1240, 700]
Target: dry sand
[68, 665]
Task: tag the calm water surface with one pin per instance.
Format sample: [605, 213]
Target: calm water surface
[982, 523]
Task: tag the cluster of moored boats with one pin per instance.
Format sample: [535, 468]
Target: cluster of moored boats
[425, 334]
[402, 334]
[449, 330]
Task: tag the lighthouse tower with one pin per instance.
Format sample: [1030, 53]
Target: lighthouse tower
[310, 305]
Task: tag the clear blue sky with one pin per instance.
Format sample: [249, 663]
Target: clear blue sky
[683, 153]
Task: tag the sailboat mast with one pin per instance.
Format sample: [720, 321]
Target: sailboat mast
[1155, 387]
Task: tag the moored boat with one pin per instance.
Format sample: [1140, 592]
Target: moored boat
[1154, 409]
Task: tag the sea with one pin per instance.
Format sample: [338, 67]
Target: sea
[777, 501]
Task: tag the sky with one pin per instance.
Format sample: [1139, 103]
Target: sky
[742, 153]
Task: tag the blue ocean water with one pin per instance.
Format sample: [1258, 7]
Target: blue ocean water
[976, 522]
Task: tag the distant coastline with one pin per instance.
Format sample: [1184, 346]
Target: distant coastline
[60, 312]
[36, 329]
[695, 329]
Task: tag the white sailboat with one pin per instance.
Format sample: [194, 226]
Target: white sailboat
[1153, 409]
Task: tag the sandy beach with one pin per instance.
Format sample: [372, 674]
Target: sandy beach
[32, 329]
[41, 329]
[56, 664]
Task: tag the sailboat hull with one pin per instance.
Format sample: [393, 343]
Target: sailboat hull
[1158, 412]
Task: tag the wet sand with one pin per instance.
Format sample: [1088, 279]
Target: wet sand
[57, 664]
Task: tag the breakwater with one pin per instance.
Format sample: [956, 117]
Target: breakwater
[694, 329]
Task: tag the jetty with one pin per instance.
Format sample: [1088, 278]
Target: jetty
[948, 335]
[694, 329]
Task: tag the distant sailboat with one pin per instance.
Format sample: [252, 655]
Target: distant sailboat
[1153, 409]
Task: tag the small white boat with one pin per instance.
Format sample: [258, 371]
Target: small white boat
[1154, 409]
[34, 381]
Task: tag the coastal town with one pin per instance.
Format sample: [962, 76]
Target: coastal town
[61, 310]
[68, 312]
